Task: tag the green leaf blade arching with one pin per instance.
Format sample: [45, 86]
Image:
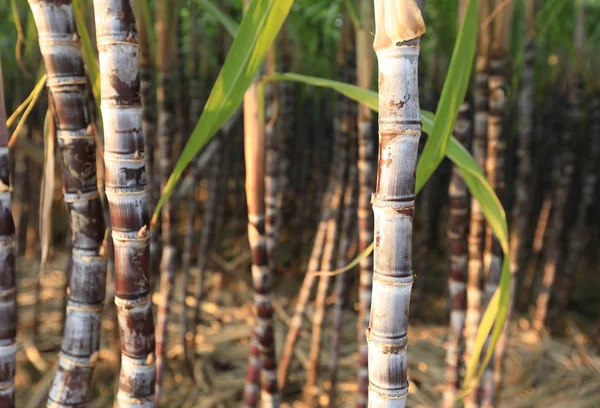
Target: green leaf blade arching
[453, 94]
[358, 94]
[230, 24]
[256, 34]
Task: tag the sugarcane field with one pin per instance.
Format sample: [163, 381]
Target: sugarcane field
[301, 204]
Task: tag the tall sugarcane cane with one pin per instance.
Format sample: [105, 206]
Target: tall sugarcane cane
[166, 59]
[580, 234]
[8, 290]
[562, 179]
[458, 254]
[476, 225]
[342, 138]
[348, 214]
[195, 94]
[522, 208]
[61, 50]
[127, 194]
[262, 353]
[366, 179]
[304, 293]
[494, 166]
[347, 236]
[399, 26]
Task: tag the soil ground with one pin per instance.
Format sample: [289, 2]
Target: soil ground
[547, 372]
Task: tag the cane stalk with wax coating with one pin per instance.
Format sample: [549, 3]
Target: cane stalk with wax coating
[61, 49]
[127, 193]
[399, 26]
[8, 291]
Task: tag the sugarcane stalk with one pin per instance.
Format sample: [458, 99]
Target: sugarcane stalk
[206, 237]
[127, 194]
[338, 175]
[166, 61]
[458, 254]
[303, 296]
[61, 50]
[262, 363]
[522, 207]
[272, 164]
[579, 235]
[366, 179]
[8, 290]
[496, 146]
[476, 225]
[563, 173]
[314, 263]
[347, 234]
[399, 26]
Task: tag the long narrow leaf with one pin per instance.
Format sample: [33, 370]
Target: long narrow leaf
[356, 93]
[34, 97]
[230, 24]
[258, 29]
[453, 94]
[89, 53]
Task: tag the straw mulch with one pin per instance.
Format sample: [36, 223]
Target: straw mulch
[546, 372]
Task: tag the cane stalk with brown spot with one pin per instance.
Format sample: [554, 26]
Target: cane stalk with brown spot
[61, 50]
[127, 193]
[399, 26]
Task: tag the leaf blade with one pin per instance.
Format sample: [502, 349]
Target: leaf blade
[257, 31]
[231, 26]
[453, 95]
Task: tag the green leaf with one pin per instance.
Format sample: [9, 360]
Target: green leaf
[258, 29]
[230, 24]
[361, 95]
[89, 53]
[453, 95]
